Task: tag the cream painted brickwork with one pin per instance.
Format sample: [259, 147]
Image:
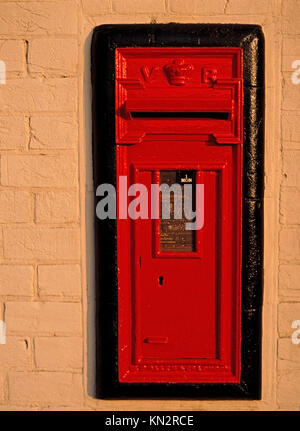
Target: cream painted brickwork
[47, 286]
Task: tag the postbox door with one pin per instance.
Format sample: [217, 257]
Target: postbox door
[177, 294]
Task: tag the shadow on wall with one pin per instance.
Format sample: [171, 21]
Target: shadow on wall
[89, 225]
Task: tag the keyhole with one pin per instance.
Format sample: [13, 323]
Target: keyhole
[160, 280]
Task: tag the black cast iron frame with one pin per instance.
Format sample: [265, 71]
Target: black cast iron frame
[106, 39]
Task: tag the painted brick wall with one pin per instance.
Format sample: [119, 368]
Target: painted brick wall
[46, 235]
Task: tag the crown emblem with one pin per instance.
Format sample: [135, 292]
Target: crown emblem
[178, 72]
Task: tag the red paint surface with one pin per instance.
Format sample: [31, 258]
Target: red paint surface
[187, 327]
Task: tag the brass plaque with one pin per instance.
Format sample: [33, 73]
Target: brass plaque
[173, 233]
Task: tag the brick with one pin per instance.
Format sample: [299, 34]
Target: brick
[12, 408]
[290, 205]
[291, 129]
[38, 170]
[12, 52]
[57, 206]
[75, 408]
[15, 206]
[290, 12]
[2, 388]
[43, 318]
[244, 7]
[16, 280]
[15, 354]
[13, 133]
[36, 17]
[53, 56]
[145, 6]
[203, 7]
[1, 243]
[288, 354]
[57, 280]
[289, 243]
[291, 171]
[58, 353]
[287, 313]
[53, 132]
[291, 52]
[45, 387]
[35, 95]
[41, 243]
[290, 93]
[288, 391]
[94, 7]
[291, 46]
[289, 280]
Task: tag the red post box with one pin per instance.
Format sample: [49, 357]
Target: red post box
[179, 119]
[178, 107]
